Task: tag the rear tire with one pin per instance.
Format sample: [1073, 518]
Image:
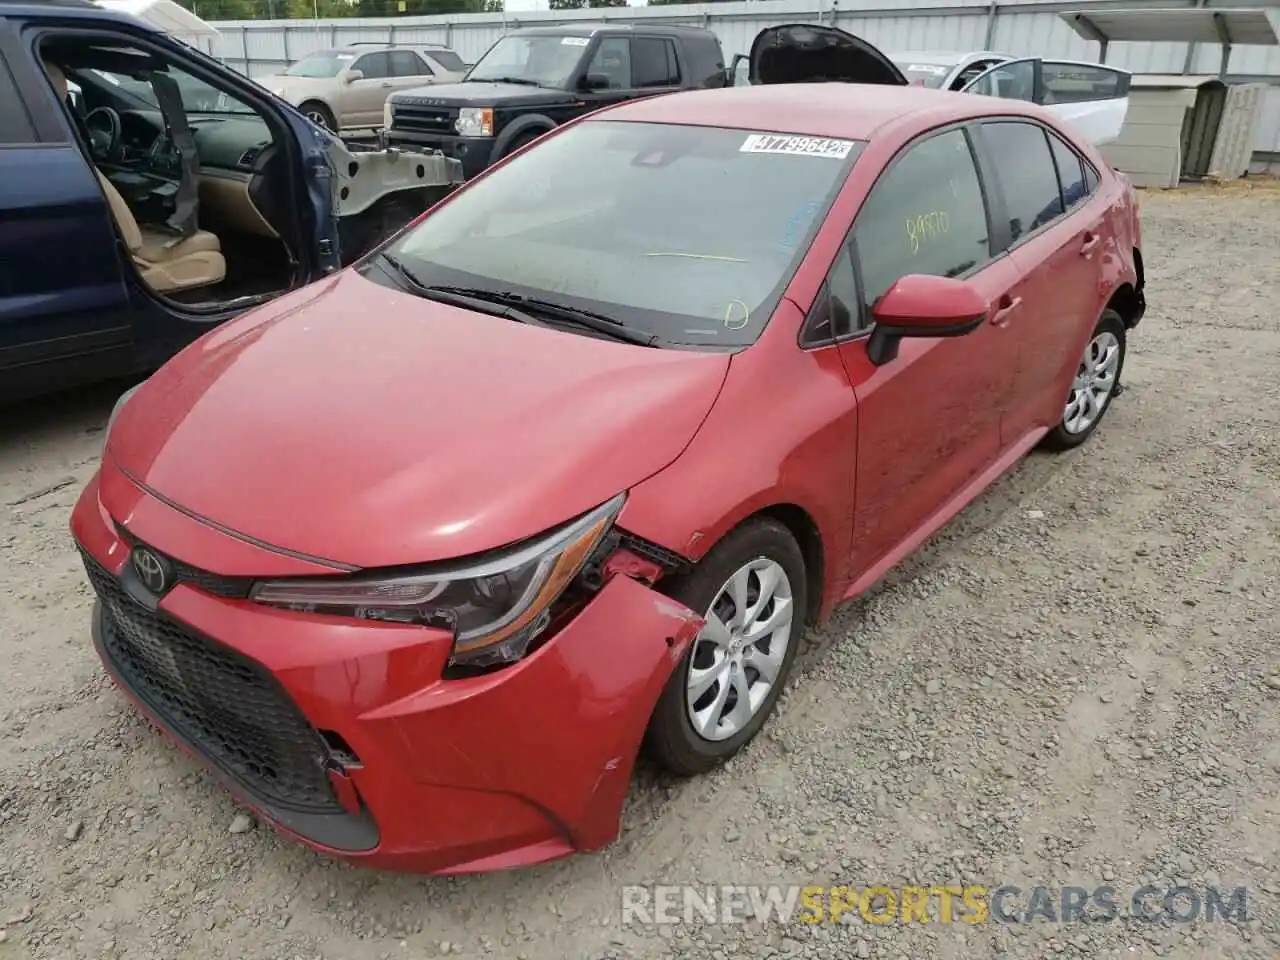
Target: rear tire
[1094, 385]
[320, 115]
[728, 682]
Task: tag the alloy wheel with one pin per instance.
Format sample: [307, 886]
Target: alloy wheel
[1094, 383]
[738, 654]
[318, 118]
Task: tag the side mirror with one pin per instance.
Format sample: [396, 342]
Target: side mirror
[923, 306]
[351, 76]
[594, 81]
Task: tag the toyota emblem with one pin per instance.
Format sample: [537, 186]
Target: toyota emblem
[150, 570]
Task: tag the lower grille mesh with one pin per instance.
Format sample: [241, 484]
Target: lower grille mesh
[223, 704]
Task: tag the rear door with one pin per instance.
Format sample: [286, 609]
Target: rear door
[409, 70]
[1091, 97]
[64, 307]
[1052, 221]
[805, 53]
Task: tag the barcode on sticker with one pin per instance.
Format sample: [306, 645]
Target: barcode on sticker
[797, 146]
[575, 41]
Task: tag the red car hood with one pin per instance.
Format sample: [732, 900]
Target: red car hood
[369, 427]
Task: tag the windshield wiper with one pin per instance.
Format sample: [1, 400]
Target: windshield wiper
[461, 297]
[598, 322]
[522, 81]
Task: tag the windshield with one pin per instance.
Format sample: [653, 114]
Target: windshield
[548, 61]
[924, 74]
[197, 96]
[686, 233]
[327, 64]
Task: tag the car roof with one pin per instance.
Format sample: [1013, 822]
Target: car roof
[851, 111]
[591, 29]
[71, 10]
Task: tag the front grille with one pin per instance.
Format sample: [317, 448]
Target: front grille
[223, 704]
[235, 588]
[413, 118]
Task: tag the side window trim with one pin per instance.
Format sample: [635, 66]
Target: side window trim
[822, 302]
[46, 127]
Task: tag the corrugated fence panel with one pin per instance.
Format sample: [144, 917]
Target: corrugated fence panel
[1018, 27]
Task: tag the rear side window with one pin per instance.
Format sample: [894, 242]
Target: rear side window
[447, 59]
[406, 63]
[1070, 172]
[653, 63]
[1090, 177]
[924, 215]
[1028, 177]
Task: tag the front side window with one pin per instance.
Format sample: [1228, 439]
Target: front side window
[321, 65]
[924, 215]
[197, 95]
[374, 66]
[1015, 80]
[683, 232]
[543, 60]
[1027, 175]
[1081, 82]
[612, 63]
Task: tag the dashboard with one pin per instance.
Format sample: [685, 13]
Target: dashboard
[223, 143]
[236, 157]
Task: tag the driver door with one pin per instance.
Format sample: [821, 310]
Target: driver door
[1088, 96]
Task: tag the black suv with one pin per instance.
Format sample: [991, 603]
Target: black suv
[536, 78]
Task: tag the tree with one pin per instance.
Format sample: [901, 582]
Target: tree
[584, 4]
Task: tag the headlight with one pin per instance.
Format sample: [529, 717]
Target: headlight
[495, 605]
[115, 411]
[475, 122]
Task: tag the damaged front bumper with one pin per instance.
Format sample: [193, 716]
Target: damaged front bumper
[515, 767]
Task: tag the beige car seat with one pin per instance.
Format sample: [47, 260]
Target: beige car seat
[166, 263]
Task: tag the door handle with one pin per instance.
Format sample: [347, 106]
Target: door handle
[1091, 241]
[1007, 305]
[386, 85]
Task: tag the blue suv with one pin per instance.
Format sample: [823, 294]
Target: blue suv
[148, 193]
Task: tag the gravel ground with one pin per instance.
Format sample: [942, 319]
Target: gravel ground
[1077, 683]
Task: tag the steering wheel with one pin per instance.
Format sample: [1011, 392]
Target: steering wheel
[103, 124]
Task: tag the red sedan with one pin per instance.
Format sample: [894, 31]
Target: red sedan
[419, 557]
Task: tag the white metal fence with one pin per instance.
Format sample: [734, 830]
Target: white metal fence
[1017, 27]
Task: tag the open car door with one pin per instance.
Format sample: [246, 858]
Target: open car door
[805, 53]
[1091, 97]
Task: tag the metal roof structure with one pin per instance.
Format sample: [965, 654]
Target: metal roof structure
[1190, 25]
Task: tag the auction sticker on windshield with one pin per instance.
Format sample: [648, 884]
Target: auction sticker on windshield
[797, 146]
[575, 41]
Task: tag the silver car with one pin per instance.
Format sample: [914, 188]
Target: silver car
[345, 88]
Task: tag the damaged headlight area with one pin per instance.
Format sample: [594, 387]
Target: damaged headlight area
[495, 605]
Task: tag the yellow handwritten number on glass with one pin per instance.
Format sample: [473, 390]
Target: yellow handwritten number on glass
[733, 322]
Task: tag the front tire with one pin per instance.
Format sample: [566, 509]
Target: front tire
[751, 589]
[1094, 385]
[320, 115]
